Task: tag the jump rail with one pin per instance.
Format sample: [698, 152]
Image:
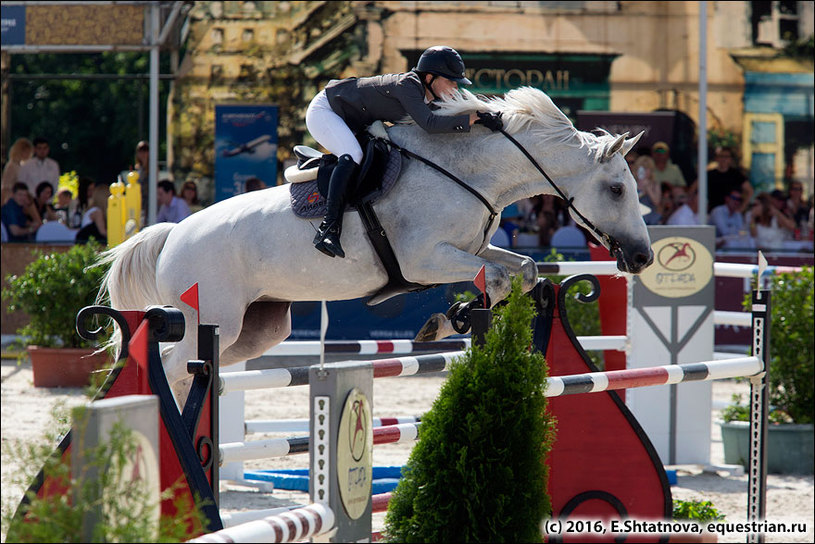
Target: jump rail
[291, 526]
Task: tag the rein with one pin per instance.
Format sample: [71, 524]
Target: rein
[613, 244]
[463, 184]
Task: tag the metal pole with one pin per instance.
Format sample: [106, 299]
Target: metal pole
[702, 166]
[759, 408]
[154, 143]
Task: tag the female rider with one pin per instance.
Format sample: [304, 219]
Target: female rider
[346, 107]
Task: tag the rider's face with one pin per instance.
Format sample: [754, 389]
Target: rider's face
[443, 87]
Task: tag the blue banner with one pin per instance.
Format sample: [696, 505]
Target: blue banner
[245, 147]
[13, 25]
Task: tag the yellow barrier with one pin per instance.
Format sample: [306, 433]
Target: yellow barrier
[124, 210]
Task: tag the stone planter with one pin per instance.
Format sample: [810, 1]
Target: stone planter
[64, 367]
[789, 447]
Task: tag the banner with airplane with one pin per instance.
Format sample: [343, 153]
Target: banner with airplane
[245, 147]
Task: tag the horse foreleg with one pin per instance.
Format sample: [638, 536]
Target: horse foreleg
[449, 264]
[516, 264]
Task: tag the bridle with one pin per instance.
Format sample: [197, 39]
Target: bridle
[611, 242]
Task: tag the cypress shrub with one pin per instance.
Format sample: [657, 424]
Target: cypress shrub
[478, 472]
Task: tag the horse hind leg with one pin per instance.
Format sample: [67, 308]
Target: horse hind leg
[265, 324]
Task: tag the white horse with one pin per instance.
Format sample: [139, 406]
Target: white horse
[252, 257]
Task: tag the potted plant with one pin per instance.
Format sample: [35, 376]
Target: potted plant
[51, 291]
[792, 368]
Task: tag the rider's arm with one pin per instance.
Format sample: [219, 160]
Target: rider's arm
[411, 96]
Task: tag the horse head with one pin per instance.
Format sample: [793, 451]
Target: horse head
[607, 203]
[587, 170]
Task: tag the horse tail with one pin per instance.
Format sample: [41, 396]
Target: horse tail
[130, 281]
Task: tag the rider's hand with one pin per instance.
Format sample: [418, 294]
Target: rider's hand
[490, 120]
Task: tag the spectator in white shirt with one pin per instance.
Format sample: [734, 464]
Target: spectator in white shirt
[686, 214]
[40, 167]
[172, 208]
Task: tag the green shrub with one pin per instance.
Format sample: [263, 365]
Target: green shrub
[478, 472]
[51, 291]
[792, 337]
[697, 510]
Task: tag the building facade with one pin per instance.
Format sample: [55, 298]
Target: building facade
[589, 56]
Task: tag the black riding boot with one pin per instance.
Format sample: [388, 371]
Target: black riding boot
[327, 239]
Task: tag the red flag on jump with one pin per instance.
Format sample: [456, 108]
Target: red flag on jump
[480, 280]
[190, 297]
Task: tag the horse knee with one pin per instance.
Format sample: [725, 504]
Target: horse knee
[499, 284]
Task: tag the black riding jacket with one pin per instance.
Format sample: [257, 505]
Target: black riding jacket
[388, 97]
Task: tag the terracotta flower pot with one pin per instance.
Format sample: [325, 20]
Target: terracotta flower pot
[64, 367]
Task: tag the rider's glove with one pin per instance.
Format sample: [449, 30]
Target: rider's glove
[490, 120]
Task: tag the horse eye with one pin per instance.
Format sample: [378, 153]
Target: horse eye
[616, 189]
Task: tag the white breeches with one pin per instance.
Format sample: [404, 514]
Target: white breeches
[330, 130]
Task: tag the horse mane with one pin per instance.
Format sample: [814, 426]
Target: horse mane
[524, 108]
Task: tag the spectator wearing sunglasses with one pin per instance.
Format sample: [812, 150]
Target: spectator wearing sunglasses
[728, 220]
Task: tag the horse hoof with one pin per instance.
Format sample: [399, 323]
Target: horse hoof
[430, 330]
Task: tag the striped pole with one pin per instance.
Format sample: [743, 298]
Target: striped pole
[365, 347]
[289, 377]
[594, 382]
[609, 268]
[302, 425]
[281, 447]
[291, 526]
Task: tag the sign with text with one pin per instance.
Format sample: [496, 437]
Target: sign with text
[13, 25]
[245, 147]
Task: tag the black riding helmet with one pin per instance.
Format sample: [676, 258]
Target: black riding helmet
[444, 61]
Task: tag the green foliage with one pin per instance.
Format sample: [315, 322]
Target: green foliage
[803, 49]
[51, 291]
[478, 472]
[62, 109]
[124, 509]
[741, 412]
[792, 365]
[697, 510]
[584, 317]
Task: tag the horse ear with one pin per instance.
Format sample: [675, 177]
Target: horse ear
[614, 147]
[630, 143]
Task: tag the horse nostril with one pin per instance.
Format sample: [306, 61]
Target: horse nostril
[644, 259]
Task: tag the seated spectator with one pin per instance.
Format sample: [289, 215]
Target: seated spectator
[768, 225]
[725, 178]
[20, 152]
[686, 214]
[82, 202]
[20, 227]
[173, 209]
[254, 184]
[664, 169]
[798, 207]
[648, 189]
[729, 222]
[548, 219]
[667, 204]
[95, 219]
[42, 200]
[189, 192]
[64, 204]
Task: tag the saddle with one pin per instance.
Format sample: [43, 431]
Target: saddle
[376, 176]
